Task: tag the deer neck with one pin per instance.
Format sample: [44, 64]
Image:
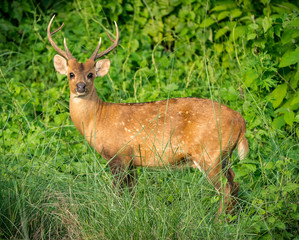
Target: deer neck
[85, 111]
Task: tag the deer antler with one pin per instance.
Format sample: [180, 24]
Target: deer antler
[67, 54]
[97, 55]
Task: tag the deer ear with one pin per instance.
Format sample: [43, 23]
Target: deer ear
[102, 67]
[60, 64]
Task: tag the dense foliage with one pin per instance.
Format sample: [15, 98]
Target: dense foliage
[242, 53]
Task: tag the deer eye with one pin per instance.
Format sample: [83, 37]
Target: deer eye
[72, 75]
[89, 75]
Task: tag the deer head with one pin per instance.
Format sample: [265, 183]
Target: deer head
[81, 75]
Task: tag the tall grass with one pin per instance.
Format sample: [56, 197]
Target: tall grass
[43, 196]
[165, 204]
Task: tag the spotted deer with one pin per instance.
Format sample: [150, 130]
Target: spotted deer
[200, 133]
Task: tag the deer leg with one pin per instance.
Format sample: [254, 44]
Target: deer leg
[231, 191]
[231, 188]
[123, 174]
[212, 167]
[118, 172]
[131, 177]
[212, 170]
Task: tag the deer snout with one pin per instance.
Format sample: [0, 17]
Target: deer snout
[81, 87]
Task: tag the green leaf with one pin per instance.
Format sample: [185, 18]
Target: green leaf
[235, 13]
[17, 11]
[289, 58]
[251, 167]
[289, 34]
[294, 207]
[251, 36]
[266, 23]
[271, 219]
[269, 166]
[129, 7]
[253, 26]
[289, 117]
[240, 173]
[295, 99]
[222, 15]
[227, 5]
[207, 22]
[238, 32]
[278, 95]
[219, 8]
[221, 32]
[278, 122]
[280, 225]
[134, 45]
[17, 89]
[294, 23]
[250, 77]
[290, 187]
[218, 48]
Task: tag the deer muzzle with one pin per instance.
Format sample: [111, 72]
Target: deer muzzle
[81, 87]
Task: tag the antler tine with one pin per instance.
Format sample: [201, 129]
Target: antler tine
[96, 55]
[93, 56]
[55, 31]
[66, 54]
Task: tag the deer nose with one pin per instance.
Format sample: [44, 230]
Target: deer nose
[81, 87]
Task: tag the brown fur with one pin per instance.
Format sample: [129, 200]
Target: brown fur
[196, 132]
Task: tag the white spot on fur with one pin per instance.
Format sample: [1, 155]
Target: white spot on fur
[123, 123]
[187, 112]
[189, 121]
[126, 129]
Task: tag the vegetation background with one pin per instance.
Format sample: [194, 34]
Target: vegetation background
[242, 53]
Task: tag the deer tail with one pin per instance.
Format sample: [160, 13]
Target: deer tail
[243, 148]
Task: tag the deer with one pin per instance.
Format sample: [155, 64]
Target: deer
[194, 132]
